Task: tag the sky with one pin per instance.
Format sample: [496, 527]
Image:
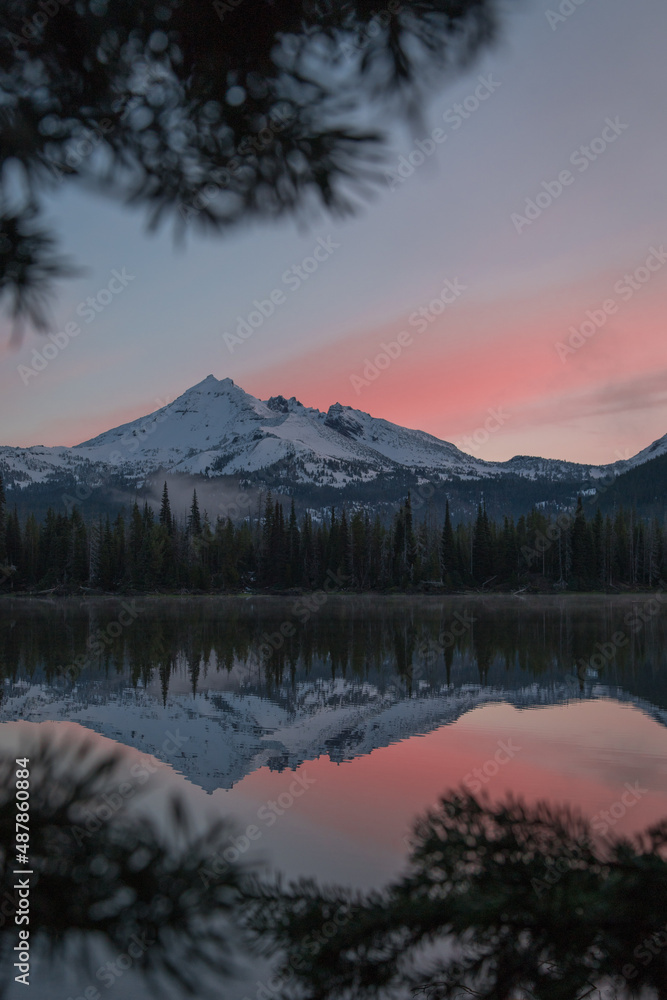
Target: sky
[532, 236]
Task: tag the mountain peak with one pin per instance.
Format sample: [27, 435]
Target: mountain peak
[282, 405]
[339, 418]
[211, 382]
[215, 428]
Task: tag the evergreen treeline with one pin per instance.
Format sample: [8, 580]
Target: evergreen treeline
[274, 551]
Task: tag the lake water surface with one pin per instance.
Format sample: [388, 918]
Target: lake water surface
[330, 727]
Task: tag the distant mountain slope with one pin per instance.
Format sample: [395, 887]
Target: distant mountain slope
[643, 486]
[655, 450]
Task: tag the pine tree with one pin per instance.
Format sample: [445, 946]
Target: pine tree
[378, 556]
[482, 552]
[656, 565]
[266, 570]
[447, 548]
[510, 551]
[279, 546]
[398, 562]
[106, 564]
[608, 550]
[153, 554]
[308, 551]
[136, 567]
[165, 510]
[194, 520]
[3, 524]
[344, 544]
[79, 548]
[202, 58]
[332, 559]
[359, 549]
[581, 547]
[410, 539]
[295, 562]
[14, 550]
[597, 538]
[202, 568]
[30, 553]
[622, 561]
[119, 553]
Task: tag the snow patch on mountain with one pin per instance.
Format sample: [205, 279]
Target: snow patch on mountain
[654, 450]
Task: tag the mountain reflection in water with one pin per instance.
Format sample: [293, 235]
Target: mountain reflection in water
[359, 674]
[374, 706]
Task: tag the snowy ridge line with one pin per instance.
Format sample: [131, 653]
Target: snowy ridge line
[216, 428]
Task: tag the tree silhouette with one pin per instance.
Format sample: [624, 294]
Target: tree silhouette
[447, 547]
[194, 517]
[482, 563]
[583, 561]
[106, 874]
[205, 112]
[278, 551]
[165, 510]
[3, 519]
[510, 901]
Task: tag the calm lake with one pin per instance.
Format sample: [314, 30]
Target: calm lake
[329, 727]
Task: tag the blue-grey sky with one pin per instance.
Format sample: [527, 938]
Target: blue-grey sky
[508, 339]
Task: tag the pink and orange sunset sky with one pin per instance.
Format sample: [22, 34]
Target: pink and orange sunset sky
[585, 95]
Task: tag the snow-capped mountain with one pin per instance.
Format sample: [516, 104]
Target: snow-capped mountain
[217, 429]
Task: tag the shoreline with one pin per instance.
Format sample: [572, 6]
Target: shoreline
[286, 595]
